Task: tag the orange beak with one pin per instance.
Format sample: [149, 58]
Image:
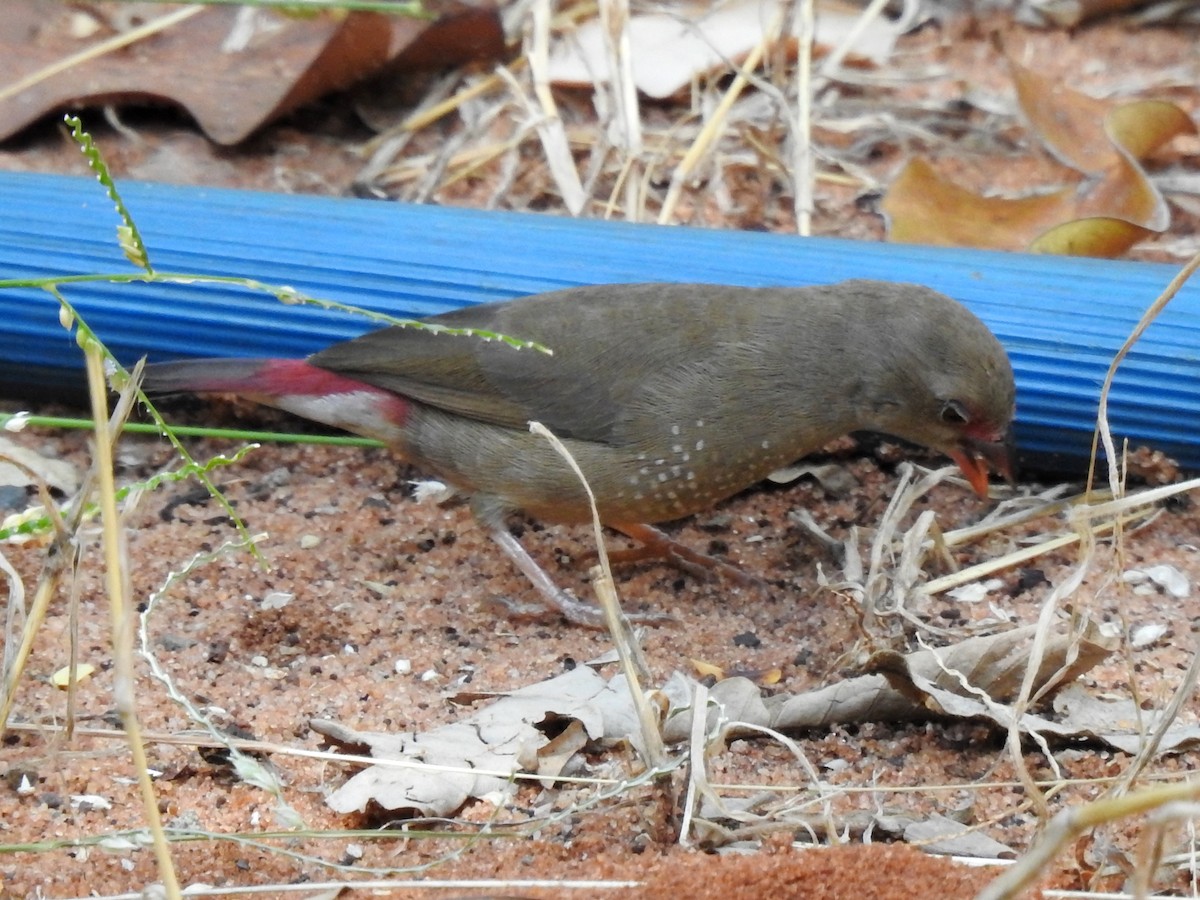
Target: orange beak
[974, 456]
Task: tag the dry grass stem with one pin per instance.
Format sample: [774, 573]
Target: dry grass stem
[1074, 821]
[223, 742]
[1021, 557]
[21, 628]
[802, 157]
[782, 807]
[1103, 432]
[429, 112]
[614, 20]
[890, 580]
[1042, 636]
[116, 571]
[716, 121]
[629, 652]
[461, 164]
[697, 780]
[1184, 691]
[549, 124]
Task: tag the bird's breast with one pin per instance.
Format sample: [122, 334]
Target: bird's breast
[682, 468]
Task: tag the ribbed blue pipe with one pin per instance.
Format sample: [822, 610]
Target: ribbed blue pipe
[1061, 319]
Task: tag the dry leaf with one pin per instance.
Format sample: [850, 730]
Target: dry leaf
[1118, 722]
[475, 758]
[924, 208]
[61, 678]
[57, 473]
[232, 68]
[1072, 13]
[707, 669]
[461, 32]
[670, 49]
[913, 686]
[942, 835]
[1104, 216]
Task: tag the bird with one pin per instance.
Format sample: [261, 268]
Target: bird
[670, 397]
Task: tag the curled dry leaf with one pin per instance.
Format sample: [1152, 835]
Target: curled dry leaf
[1118, 722]
[1072, 13]
[1103, 216]
[232, 68]
[440, 770]
[994, 664]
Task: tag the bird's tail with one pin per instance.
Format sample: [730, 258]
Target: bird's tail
[294, 385]
[216, 376]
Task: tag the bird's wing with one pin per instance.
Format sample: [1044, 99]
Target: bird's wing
[439, 370]
[610, 344]
[576, 392]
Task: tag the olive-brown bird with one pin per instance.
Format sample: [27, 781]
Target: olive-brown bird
[671, 397]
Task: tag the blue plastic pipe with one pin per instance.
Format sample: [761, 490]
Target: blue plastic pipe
[1061, 319]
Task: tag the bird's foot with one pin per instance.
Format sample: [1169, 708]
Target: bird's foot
[654, 544]
[577, 612]
[554, 598]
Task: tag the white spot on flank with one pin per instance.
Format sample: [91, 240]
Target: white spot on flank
[662, 476]
[674, 429]
[699, 423]
[686, 457]
[644, 470]
[699, 445]
[766, 445]
[677, 448]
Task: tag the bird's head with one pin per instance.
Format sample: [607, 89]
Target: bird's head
[978, 439]
[946, 383]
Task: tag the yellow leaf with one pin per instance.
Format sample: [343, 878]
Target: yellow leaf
[704, 669]
[62, 677]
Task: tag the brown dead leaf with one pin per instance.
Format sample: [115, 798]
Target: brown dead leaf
[1105, 215]
[925, 208]
[1099, 236]
[232, 68]
[1072, 13]
[461, 32]
[1069, 123]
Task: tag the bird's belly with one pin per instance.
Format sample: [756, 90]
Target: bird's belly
[655, 483]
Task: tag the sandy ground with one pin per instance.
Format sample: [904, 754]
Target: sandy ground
[390, 617]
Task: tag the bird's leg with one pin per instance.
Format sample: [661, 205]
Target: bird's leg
[656, 544]
[555, 598]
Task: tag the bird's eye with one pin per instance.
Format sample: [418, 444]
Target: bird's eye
[954, 413]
